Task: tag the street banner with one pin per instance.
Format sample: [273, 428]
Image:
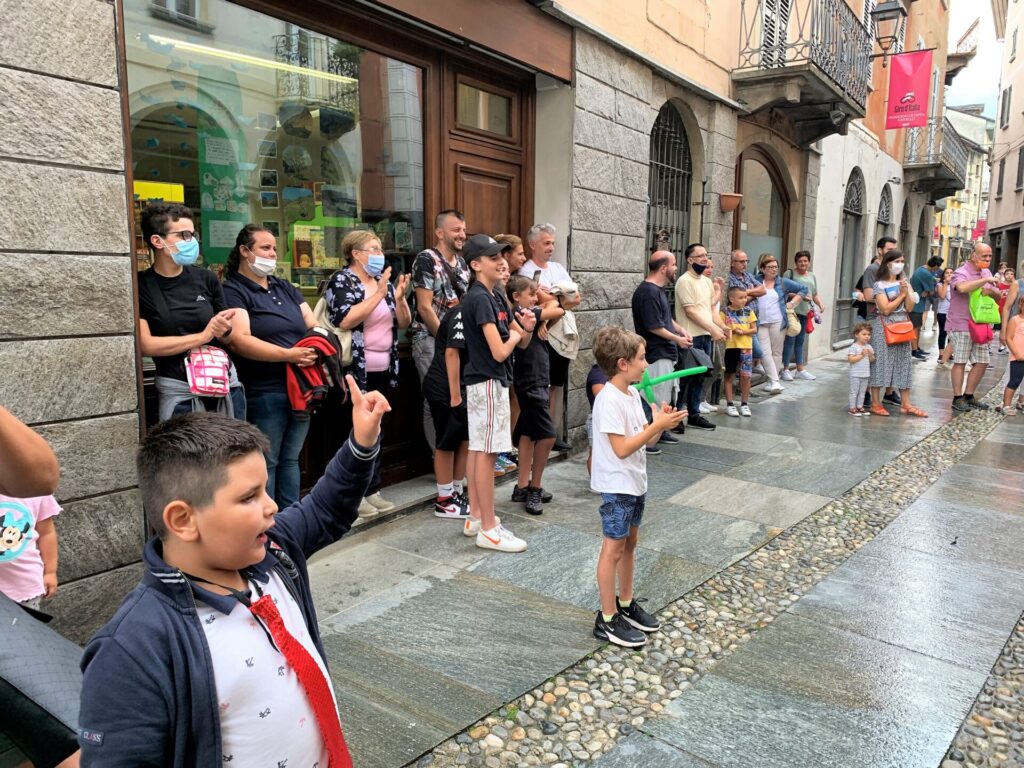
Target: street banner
[909, 83]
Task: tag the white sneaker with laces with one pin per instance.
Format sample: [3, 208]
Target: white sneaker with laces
[730, 410]
[744, 410]
[775, 388]
[786, 376]
[472, 526]
[500, 539]
[708, 408]
[379, 502]
[805, 376]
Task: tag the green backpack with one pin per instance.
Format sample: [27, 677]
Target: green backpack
[983, 308]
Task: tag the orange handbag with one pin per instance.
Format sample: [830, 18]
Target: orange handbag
[899, 332]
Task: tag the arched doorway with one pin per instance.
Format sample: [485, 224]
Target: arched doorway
[883, 222]
[670, 183]
[851, 262]
[762, 220]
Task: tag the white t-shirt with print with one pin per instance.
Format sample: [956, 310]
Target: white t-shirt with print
[265, 717]
[549, 275]
[618, 413]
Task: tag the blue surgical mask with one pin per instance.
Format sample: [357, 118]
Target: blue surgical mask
[375, 264]
[187, 252]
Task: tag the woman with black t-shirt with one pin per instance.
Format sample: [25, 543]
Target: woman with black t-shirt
[271, 317]
[181, 308]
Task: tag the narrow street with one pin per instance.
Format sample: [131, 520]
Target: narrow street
[835, 591]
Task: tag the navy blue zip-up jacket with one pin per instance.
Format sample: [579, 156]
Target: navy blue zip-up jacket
[148, 692]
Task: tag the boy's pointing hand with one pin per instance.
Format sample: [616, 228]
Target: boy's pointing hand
[367, 411]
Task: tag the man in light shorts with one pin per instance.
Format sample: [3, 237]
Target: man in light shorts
[973, 274]
[491, 335]
[663, 336]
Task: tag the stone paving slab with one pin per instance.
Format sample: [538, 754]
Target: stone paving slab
[853, 701]
[703, 536]
[933, 526]
[997, 455]
[639, 749]
[767, 505]
[1001, 489]
[1010, 431]
[949, 609]
[659, 577]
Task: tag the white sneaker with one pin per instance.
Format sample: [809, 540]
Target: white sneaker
[786, 376]
[730, 410]
[758, 369]
[775, 388]
[367, 510]
[472, 526]
[380, 503]
[708, 408]
[744, 410]
[805, 376]
[505, 541]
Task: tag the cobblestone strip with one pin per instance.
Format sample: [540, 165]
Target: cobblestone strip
[581, 713]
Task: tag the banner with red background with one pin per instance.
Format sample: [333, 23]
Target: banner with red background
[910, 77]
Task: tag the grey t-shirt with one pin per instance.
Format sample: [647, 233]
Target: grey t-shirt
[869, 279]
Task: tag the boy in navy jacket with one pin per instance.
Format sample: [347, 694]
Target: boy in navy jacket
[184, 674]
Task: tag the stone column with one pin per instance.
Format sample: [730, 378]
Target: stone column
[67, 344]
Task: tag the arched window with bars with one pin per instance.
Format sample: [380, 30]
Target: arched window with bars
[670, 184]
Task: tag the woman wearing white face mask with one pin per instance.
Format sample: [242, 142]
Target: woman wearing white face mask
[184, 321]
[893, 366]
[271, 316]
[362, 299]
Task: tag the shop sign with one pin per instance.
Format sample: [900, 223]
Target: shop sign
[978, 231]
[909, 90]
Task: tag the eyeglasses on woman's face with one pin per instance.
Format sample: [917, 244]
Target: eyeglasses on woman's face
[374, 251]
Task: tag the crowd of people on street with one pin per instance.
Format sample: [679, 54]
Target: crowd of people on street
[240, 365]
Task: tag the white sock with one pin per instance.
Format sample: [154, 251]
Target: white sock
[444, 491]
[457, 485]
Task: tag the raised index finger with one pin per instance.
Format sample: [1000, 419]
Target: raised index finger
[354, 391]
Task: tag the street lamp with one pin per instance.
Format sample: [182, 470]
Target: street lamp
[889, 18]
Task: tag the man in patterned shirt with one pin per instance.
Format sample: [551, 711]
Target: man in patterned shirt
[440, 277]
[740, 278]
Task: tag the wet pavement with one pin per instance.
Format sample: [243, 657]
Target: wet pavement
[878, 664]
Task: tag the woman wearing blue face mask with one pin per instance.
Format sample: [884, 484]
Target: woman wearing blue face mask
[271, 317]
[362, 299]
[181, 311]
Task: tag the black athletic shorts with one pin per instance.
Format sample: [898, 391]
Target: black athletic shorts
[559, 365]
[451, 425]
[534, 416]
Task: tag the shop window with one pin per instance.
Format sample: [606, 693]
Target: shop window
[1020, 169]
[484, 110]
[266, 122]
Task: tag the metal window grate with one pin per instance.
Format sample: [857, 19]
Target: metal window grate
[670, 184]
[885, 206]
[854, 200]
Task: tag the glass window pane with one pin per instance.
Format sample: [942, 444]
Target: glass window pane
[761, 213]
[484, 110]
[263, 121]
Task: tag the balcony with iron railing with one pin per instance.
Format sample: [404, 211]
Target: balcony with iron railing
[936, 159]
[811, 58]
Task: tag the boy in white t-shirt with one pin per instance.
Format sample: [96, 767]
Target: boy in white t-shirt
[621, 435]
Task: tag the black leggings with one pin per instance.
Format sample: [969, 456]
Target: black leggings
[1016, 374]
[942, 330]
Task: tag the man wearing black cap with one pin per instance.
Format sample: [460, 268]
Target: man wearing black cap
[491, 335]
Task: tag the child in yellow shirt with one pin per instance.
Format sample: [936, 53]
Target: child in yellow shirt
[739, 346]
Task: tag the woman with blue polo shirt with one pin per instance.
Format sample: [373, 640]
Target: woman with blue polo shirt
[275, 316]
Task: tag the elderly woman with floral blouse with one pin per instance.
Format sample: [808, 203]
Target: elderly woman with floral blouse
[362, 299]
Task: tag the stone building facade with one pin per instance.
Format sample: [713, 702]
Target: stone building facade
[67, 343]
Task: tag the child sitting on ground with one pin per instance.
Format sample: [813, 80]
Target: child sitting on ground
[216, 658]
[621, 433]
[1013, 338]
[739, 350]
[28, 549]
[859, 355]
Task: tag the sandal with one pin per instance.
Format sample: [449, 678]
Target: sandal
[911, 410]
[877, 410]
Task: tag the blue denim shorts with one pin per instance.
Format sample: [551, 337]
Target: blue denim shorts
[620, 512]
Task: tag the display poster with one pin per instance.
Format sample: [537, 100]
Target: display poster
[224, 199]
[909, 87]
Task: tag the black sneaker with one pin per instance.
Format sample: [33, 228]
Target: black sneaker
[959, 404]
[679, 429]
[977, 404]
[638, 617]
[699, 422]
[892, 397]
[545, 497]
[518, 494]
[463, 499]
[653, 450]
[618, 631]
[561, 445]
[534, 505]
[668, 439]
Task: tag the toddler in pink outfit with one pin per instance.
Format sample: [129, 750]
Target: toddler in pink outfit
[28, 548]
